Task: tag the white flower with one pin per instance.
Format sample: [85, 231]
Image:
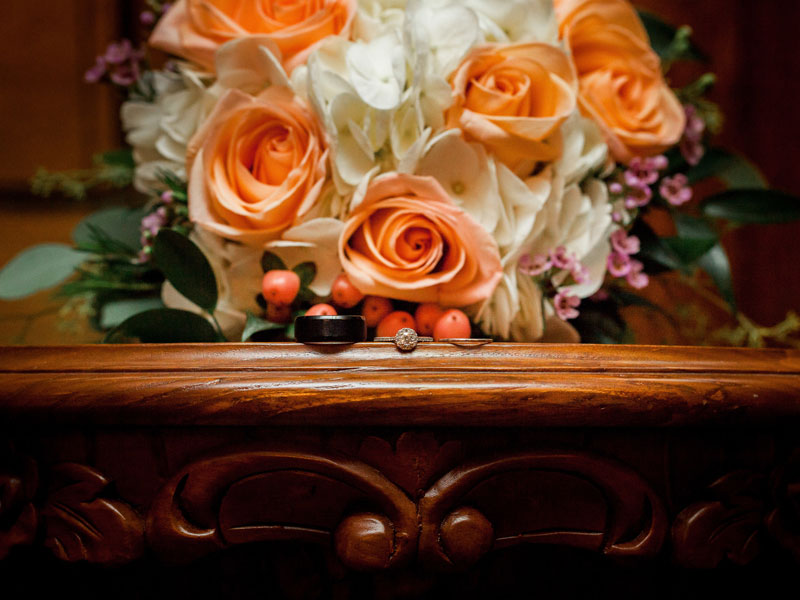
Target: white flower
[375, 17]
[314, 241]
[377, 70]
[516, 20]
[237, 269]
[584, 149]
[159, 131]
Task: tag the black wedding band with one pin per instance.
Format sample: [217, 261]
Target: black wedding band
[335, 329]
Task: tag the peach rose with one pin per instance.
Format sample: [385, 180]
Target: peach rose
[512, 99]
[407, 240]
[256, 164]
[621, 84]
[194, 29]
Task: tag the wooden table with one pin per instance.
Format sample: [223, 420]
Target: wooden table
[286, 471]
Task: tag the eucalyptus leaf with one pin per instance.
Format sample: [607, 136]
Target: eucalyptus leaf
[121, 224]
[256, 325]
[715, 262]
[186, 268]
[753, 207]
[38, 268]
[734, 170]
[117, 311]
[163, 326]
[272, 262]
[306, 272]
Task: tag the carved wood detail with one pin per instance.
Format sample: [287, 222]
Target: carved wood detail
[566, 498]
[18, 485]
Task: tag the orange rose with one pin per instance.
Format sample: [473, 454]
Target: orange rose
[621, 84]
[255, 165]
[193, 29]
[408, 241]
[512, 99]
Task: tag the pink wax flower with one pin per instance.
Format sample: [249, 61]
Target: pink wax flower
[644, 171]
[153, 222]
[636, 278]
[96, 72]
[600, 295]
[619, 264]
[566, 305]
[638, 196]
[691, 144]
[676, 190]
[147, 18]
[119, 52]
[167, 197]
[624, 243]
[616, 188]
[562, 260]
[580, 273]
[534, 264]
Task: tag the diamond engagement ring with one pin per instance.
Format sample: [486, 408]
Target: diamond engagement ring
[406, 339]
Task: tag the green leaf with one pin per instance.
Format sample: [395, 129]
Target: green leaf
[122, 157]
[715, 263]
[306, 272]
[688, 250]
[38, 268]
[601, 323]
[186, 268]
[117, 311]
[734, 170]
[163, 326]
[670, 43]
[256, 325]
[272, 262]
[656, 255]
[694, 227]
[119, 224]
[753, 206]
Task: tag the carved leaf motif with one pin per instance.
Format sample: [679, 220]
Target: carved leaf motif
[729, 525]
[18, 516]
[81, 524]
[416, 459]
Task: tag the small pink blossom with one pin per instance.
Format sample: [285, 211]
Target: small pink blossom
[676, 190]
[644, 171]
[619, 264]
[153, 222]
[562, 260]
[167, 197]
[534, 264]
[96, 72]
[691, 144]
[616, 216]
[638, 196]
[616, 188]
[600, 295]
[566, 305]
[147, 18]
[119, 52]
[624, 243]
[580, 273]
[636, 278]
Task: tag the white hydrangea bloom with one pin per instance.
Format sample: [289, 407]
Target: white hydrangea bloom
[515, 20]
[159, 131]
[584, 149]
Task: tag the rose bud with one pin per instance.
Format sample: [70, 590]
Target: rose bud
[280, 287]
[394, 322]
[452, 324]
[375, 308]
[426, 317]
[344, 293]
[321, 310]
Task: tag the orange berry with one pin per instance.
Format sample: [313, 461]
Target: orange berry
[452, 324]
[321, 310]
[426, 316]
[280, 287]
[375, 309]
[279, 313]
[344, 293]
[394, 322]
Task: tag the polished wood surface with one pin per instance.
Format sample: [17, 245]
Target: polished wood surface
[286, 471]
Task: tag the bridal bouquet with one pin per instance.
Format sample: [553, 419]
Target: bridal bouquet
[455, 166]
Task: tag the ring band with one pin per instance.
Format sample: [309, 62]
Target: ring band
[406, 339]
[333, 329]
[468, 342]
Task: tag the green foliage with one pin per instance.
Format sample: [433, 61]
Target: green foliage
[715, 262]
[306, 272]
[163, 326]
[114, 170]
[732, 169]
[602, 323]
[118, 311]
[38, 268]
[670, 43]
[272, 262]
[186, 268]
[753, 206]
[256, 325]
[110, 231]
